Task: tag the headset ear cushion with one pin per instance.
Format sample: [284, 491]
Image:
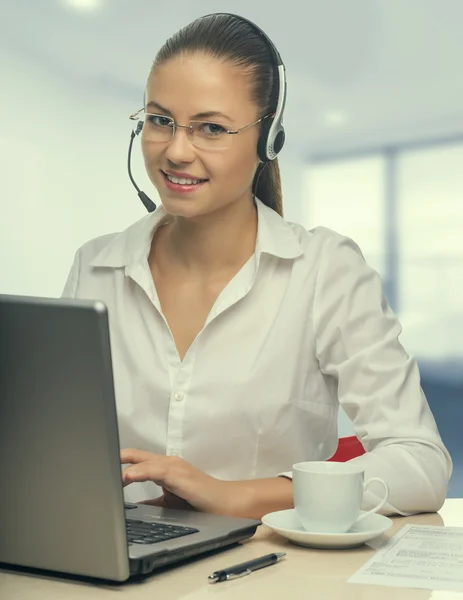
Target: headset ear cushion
[263, 140]
[279, 141]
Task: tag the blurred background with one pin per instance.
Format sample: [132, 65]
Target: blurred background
[374, 123]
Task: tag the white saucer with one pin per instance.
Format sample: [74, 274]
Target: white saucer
[286, 523]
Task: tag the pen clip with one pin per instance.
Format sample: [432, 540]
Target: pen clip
[231, 576]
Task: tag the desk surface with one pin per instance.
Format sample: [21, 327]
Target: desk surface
[305, 573]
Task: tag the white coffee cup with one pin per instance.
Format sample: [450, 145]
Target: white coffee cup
[328, 495]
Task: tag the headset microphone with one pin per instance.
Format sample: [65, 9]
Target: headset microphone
[147, 202]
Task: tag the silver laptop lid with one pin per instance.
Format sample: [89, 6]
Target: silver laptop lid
[61, 504]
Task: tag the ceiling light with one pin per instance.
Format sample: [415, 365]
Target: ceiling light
[335, 118]
[84, 6]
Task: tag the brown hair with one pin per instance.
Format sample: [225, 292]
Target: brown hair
[228, 37]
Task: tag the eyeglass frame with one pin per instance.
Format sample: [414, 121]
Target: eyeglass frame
[135, 117]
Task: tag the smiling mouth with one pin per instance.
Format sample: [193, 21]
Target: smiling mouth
[183, 180]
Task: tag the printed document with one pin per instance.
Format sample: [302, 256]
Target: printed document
[420, 557]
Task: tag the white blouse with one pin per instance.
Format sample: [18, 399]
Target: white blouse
[301, 328]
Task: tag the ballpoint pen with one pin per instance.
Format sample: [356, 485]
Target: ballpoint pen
[246, 568]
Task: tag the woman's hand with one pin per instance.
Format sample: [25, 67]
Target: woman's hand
[183, 485]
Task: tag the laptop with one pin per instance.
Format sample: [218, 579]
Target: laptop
[61, 499]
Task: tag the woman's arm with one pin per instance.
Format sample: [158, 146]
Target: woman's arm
[257, 497]
[378, 383]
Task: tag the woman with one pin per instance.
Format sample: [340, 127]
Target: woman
[236, 335]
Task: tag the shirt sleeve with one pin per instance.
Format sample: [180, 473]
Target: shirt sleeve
[70, 287]
[378, 384]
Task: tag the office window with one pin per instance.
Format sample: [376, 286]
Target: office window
[348, 196]
[430, 191]
[431, 228]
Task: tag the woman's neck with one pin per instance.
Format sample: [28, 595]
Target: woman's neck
[218, 241]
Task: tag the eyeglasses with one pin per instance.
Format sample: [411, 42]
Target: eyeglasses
[203, 135]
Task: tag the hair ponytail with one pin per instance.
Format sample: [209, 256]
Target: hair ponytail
[267, 185]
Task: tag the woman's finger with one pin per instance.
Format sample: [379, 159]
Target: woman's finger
[145, 471]
[134, 456]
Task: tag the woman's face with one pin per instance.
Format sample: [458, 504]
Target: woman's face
[186, 88]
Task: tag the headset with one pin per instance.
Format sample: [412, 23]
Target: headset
[272, 133]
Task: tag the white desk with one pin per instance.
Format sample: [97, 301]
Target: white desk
[304, 574]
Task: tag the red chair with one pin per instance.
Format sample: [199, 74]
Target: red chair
[348, 448]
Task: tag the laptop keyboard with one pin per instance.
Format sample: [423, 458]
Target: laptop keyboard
[140, 532]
